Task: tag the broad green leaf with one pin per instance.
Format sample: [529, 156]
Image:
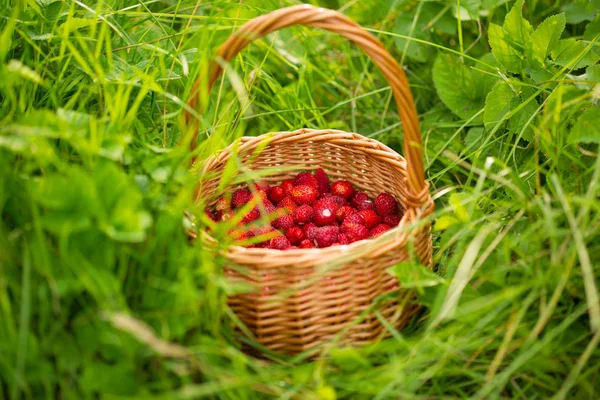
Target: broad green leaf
[581, 10]
[511, 43]
[568, 50]
[413, 275]
[461, 88]
[546, 36]
[592, 29]
[518, 29]
[587, 127]
[499, 102]
[504, 99]
[506, 55]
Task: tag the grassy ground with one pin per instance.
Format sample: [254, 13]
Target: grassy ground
[102, 295]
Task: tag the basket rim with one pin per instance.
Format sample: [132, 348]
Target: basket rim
[396, 236]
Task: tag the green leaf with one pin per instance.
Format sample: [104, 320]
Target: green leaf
[461, 88]
[518, 28]
[348, 359]
[546, 36]
[427, 20]
[413, 275]
[512, 42]
[587, 127]
[506, 55]
[581, 10]
[504, 98]
[568, 50]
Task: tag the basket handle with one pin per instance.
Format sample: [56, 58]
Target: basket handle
[333, 21]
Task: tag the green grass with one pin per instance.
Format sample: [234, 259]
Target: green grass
[102, 294]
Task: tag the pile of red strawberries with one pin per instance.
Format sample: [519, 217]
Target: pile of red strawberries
[307, 212]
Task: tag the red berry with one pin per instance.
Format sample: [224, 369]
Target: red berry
[269, 207]
[264, 234]
[240, 197]
[276, 194]
[324, 212]
[385, 204]
[284, 222]
[262, 186]
[304, 194]
[355, 218]
[280, 243]
[326, 236]
[211, 215]
[343, 212]
[295, 235]
[240, 235]
[342, 188]
[339, 200]
[322, 181]
[366, 205]
[306, 244]
[287, 204]
[343, 238]
[370, 218]
[252, 215]
[392, 220]
[303, 214]
[287, 186]
[306, 178]
[310, 230]
[355, 232]
[227, 215]
[358, 198]
[379, 229]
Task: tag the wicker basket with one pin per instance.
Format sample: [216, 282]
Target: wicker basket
[304, 297]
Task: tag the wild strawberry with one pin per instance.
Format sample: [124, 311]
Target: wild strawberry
[370, 218]
[295, 234]
[379, 229]
[211, 215]
[358, 198]
[262, 186]
[276, 194]
[324, 212]
[264, 233]
[306, 178]
[252, 215]
[342, 188]
[284, 222]
[269, 207]
[303, 214]
[322, 181]
[227, 215]
[240, 197]
[366, 205]
[304, 194]
[355, 218]
[385, 204]
[326, 236]
[280, 243]
[339, 200]
[222, 204]
[310, 230]
[287, 204]
[240, 235]
[392, 220]
[355, 232]
[343, 238]
[306, 244]
[343, 212]
[287, 186]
